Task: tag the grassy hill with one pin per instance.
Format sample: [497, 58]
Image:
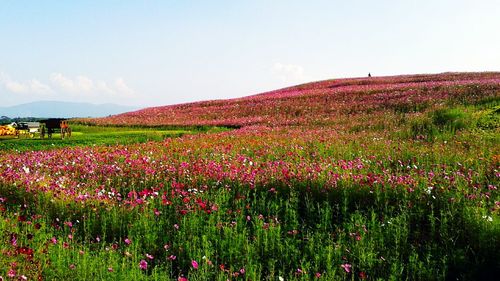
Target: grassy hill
[322, 103]
[387, 178]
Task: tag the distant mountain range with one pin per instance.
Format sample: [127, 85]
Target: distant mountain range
[54, 109]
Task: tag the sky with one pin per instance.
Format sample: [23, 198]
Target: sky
[150, 53]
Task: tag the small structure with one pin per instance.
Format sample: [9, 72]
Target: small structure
[27, 129]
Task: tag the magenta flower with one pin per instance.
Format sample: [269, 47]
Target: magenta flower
[194, 264]
[12, 273]
[346, 267]
[149, 256]
[127, 241]
[143, 265]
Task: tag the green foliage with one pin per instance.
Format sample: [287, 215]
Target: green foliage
[413, 210]
[451, 119]
[375, 232]
[441, 123]
[489, 119]
[84, 135]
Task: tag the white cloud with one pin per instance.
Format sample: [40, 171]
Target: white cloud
[289, 73]
[16, 87]
[62, 87]
[103, 87]
[32, 86]
[84, 86]
[38, 87]
[80, 84]
[123, 88]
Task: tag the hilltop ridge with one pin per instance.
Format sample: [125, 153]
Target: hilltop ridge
[319, 103]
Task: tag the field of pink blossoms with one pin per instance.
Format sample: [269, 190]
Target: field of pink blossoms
[390, 178]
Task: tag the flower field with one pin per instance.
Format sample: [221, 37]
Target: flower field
[390, 178]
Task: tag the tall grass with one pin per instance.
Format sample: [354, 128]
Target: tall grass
[410, 194]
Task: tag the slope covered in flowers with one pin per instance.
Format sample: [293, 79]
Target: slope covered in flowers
[318, 103]
[381, 178]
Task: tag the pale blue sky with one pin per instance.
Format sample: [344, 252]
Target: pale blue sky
[149, 53]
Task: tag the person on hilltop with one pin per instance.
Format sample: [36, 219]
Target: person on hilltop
[369, 74]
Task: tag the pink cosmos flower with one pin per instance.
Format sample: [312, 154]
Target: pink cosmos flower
[127, 241]
[194, 264]
[143, 265]
[346, 267]
[149, 256]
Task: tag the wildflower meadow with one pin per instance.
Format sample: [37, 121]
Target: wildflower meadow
[381, 178]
